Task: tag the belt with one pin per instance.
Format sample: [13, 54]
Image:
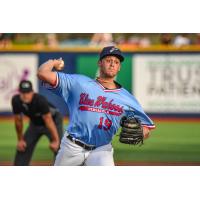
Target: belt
[81, 144]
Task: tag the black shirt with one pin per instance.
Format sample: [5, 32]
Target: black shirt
[34, 110]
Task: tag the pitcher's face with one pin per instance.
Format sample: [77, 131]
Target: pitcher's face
[109, 66]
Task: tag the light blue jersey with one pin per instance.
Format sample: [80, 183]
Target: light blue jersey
[95, 112]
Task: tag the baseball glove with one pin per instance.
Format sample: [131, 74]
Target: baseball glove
[131, 131]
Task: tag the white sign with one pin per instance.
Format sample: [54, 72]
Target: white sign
[13, 69]
[167, 82]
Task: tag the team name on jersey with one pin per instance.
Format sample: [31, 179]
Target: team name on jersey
[99, 105]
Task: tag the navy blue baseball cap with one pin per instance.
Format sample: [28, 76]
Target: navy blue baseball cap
[25, 86]
[111, 51]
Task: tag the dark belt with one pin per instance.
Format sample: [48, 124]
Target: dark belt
[81, 144]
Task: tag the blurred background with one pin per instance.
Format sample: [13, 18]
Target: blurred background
[161, 69]
[61, 40]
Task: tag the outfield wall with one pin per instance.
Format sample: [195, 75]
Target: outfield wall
[166, 82]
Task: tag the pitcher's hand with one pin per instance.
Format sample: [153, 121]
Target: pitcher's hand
[58, 64]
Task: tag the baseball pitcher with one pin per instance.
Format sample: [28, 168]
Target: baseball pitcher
[97, 109]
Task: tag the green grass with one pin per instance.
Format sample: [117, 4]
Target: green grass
[8, 140]
[169, 142]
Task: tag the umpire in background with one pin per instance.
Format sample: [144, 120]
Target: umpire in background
[44, 119]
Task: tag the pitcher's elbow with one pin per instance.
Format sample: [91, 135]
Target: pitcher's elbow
[40, 75]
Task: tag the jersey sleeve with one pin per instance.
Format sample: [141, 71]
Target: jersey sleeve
[145, 119]
[16, 105]
[43, 105]
[63, 85]
[139, 113]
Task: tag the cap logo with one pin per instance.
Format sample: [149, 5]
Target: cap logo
[25, 85]
[113, 49]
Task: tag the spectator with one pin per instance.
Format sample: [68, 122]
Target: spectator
[166, 39]
[197, 40]
[120, 39]
[131, 42]
[134, 40]
[102, 39]
[52, 41]
[39, 43]
[181, 40]
[6, 40]
[145, 41]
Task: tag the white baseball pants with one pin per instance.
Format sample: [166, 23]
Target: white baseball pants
[70, 154]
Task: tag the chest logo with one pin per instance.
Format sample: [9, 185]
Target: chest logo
[100, 104]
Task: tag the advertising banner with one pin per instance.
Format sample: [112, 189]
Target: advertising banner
[167, 82]
[14, 68]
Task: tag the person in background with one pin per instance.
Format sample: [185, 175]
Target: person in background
[182, 40]
[101, 39]
[166, 39]
[45, 119]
